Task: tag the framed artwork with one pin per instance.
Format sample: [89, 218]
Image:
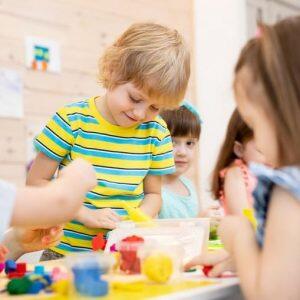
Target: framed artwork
[42, 54]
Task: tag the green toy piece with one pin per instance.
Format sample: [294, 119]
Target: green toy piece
[19, 286]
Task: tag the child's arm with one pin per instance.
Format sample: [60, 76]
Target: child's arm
[273, 272]
[235, 192]
[42, 170]
[152, 190]
[56, 202]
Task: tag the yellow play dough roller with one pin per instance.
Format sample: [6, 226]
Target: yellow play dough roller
[135, 214]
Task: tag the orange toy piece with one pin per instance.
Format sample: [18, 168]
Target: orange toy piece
[99, 242]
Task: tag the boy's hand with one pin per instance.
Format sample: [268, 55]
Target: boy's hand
[100, 218]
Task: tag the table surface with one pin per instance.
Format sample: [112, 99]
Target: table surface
[223, 288]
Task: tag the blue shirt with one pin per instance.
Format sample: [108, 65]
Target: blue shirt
[287, 178]
[178, 206]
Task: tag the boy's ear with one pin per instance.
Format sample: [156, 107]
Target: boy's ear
[238, 149]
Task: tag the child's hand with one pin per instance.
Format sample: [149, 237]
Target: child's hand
[100, 218]
[19, 241]
[229, 228]
[80, 174]
[36, 239]
[214, 211]
[220, 261]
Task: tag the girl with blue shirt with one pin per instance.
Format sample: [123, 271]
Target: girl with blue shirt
[178, 192]
[267, 92]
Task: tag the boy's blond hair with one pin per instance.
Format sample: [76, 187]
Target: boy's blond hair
[151, 56]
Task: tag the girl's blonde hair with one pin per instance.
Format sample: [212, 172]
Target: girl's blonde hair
[273, 60]
[151, 56]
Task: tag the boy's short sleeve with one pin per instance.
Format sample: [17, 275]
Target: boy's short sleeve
[57, 137]
[7, 201]
[162, 156]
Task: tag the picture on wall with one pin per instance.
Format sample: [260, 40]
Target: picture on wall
[42, 54]
[11, 96]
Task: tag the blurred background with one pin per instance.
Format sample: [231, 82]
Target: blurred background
[50, 49]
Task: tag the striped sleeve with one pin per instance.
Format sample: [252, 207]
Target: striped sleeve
[57, 137]
[162, 156]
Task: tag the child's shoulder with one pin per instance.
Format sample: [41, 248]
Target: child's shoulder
[287, 178]
[235, 169]
[158, 125]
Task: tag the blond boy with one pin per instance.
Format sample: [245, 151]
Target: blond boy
[120, 133]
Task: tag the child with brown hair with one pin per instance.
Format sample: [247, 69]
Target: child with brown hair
[120, 133]
[232, 183]
[179, 196]
[267, 92]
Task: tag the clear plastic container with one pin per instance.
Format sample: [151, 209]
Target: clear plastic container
[191, 234]
[129, 260]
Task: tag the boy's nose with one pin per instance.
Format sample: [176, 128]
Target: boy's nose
[139, 114]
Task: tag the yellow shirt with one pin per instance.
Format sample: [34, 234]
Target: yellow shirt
[122, 158]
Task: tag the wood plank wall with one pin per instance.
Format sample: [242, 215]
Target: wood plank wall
[83, 28]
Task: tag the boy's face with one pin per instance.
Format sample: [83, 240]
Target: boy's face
[184, 153]
[128, 106]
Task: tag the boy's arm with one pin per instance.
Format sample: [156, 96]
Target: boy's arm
[152, 190]
[42, 170]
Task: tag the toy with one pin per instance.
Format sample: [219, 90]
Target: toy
[158, 267]
[2, 266]
[206, 270]
[39, 269]
[19, 286]
[129, 261]
[10, 266]
[249, 214]
[135, 214]
[61, 287]
[88, 280]
[99, 242]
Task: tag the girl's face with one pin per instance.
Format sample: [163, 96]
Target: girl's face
[257, 119]
[250, 153]
[184, 153]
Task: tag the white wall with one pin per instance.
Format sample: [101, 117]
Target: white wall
[220, 32]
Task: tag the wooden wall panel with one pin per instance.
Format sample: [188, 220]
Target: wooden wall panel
[83, 28]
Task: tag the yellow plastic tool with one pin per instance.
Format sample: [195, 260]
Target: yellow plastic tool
[135, 214]
[249, 214]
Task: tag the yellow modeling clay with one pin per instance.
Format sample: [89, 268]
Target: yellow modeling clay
[249, 214]
[135, 214]
[158, 267]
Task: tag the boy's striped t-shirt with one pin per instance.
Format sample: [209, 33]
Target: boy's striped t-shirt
[122, 158]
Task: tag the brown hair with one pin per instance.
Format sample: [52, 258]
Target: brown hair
[273, 60]
[237, 131]
[151, 56]
[182, 122]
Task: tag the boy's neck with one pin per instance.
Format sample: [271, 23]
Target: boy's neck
[102, 108]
